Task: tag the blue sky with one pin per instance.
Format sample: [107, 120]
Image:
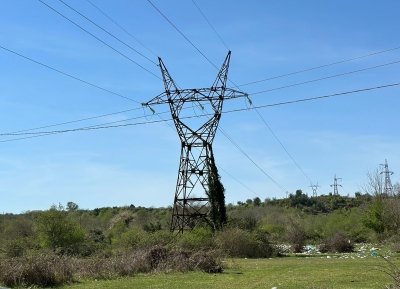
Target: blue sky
[347, 135]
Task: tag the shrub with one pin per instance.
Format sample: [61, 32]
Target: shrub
[199, 238]
[240, 243]
[339, 242]
[131, 239]
[48, 269]
[14, 249]
[297, 238]
[161, 238]
[57, 229]
[41, 269]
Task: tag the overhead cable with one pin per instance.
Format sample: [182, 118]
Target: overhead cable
[121, 27]
[209, 24]
[130, 47]
[120, 53]
[209, 114]
[321, 66]
[182, 34]
[66, 74]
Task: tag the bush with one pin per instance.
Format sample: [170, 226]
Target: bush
[42, 270]
[48, 269]
[14, 249]
[161, 238]
[199, 238]
[339, 242]
[296, 237]
[131, 239]
[57, 229]
[240, 243]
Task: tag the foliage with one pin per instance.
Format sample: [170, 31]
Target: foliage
[216, 196]
[57, 229]
[199, 238]
[256, 201]
[44, 269]
[71, 206]
[374, 218]
[296, 237]
[338, 243]
[240, 243]
[48, 269]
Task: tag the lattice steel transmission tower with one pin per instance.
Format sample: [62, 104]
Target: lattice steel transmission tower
[191, 203]
[314, 189]
[335, 185]
[388, 183]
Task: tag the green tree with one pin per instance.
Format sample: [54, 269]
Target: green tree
[57, 229]
[216, 195]
[249, 202]
[374, 218]
[71, 206]
[257, 202]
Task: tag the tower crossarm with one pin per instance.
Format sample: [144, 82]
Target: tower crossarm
[196, 95]
[159, 99]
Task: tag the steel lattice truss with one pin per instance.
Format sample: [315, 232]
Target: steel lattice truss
[196, 144]
[388, 189]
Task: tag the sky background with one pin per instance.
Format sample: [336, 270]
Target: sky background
[345, 135]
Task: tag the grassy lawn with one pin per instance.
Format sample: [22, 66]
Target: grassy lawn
[289, 272]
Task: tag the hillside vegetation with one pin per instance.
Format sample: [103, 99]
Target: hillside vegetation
[65, 244]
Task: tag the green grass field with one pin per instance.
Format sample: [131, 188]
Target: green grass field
[289, 272]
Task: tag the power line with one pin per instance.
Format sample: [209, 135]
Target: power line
[289, 102]
[229, 138]
[120, 53]
[210, 24]
[121, 27]
[200, 52]
[66, 74]
[279, 76]
[130, 47]
[229, 111]
[283, 146]
[91, 84]
[166, 121]
[78, 120]
[156, 55]
[328, 77]
[260, 114]
[322, 66]
[182, 34]
[238, 181]
[252, 94]
[247, 156]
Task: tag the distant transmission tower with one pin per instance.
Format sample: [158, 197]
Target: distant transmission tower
[335, 185]
[190, 205]
[388, 183]
[314, 189]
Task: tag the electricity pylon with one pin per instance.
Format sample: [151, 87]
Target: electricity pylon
[314, 189]
[196, 144]
[335, 185]
[388, 183]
